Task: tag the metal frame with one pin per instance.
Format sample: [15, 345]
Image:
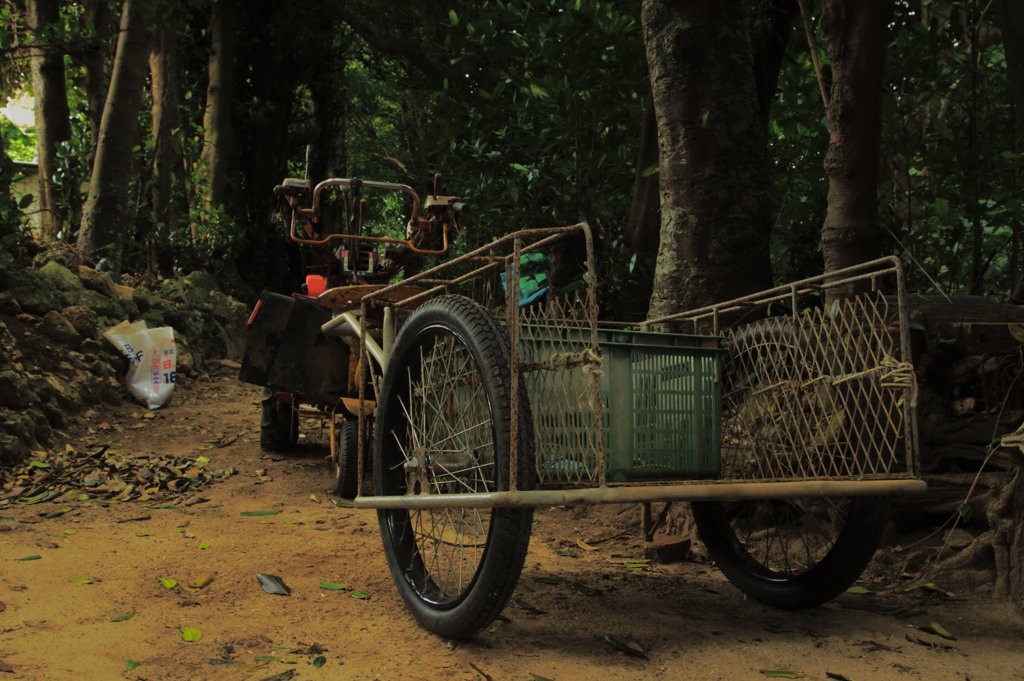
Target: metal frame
[503, 255]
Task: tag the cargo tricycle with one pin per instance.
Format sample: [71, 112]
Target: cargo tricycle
[485, 388]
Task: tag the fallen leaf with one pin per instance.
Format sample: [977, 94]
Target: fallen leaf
[80, 580]
[626, 645]
[939, 630]
[265, 658]
[314, 498]
[778, 674]
[34, 556]
[837, 676]
[191, 634]
[934, 645]
[283, 676]
[319, 661]
[259, 513]
[538, 677]
[124, 617]
[202, 582]
[334, 586]
[858, 589]
[361, 595]
[932, 586]
[131, 664]
[47, 545]
[203, 546]
[585, 546]
[168, 582]
[273, 584]
[70, 532]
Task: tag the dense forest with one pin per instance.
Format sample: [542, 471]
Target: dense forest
[829, 132]
[717, 147]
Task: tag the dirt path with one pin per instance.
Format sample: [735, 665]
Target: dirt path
[99, 564]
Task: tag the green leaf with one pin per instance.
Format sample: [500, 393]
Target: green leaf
[203, 546]
[966, 512]
[33, 556]
[539, 92]
[319, 661]
[123, 617]
[131, 664]
[265, 658]
[334, 586]
[79, 580]
[39, 464]
[202, 582]
[361, 595]
[649, 170]
[453, 17]
[251, 514]
[168, 582]
[538, 677]
[777, 674]
[940, 630]
[273, 584]
[858, 589]
[191, 634]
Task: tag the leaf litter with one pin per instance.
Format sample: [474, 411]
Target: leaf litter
[105, 474]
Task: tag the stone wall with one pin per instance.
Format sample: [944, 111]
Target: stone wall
[54, 362]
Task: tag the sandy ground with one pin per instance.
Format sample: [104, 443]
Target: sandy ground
[92, 605]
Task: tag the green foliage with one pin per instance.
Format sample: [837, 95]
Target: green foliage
[20, 145]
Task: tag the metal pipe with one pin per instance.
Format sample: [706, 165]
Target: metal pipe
[347, 318]
[389, 335]
[719, 491]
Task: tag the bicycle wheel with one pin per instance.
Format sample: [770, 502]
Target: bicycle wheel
[345, 462]
[442, 426]
[792, 553]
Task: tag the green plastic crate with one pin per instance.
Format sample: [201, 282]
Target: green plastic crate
[662, 398]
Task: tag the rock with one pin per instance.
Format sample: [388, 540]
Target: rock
[91, 347]
[145, 299]
[12, 449]
[14, 390]
[123, 293]
[83, 319]
[32, 291]
[97, 281]
[9, 304]
[60, 277]
[100, 305]
[959, 538]
[56, 327]
[201, 280]
[55, 390]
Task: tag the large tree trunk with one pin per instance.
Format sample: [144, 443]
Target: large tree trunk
[51, 113]
[715, 216]
[855, 40]
[217, 143]
[170, 209]
[94, 25]
[105, 218]
[1010, 17]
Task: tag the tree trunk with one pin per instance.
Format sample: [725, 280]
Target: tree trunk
[855, 41]
[90, 57]
[715, 217]
[104, 218]
[217, 143]
[170, 209]
[51, 113]
[1010, 17]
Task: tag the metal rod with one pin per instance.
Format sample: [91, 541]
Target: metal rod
[389, 335]
[625, 495]
[350, 319]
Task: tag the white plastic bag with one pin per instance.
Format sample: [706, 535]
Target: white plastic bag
[152, 360]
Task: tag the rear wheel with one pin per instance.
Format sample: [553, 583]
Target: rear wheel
[279, 422]
[345, 460]
[443, 427]
[792, 553]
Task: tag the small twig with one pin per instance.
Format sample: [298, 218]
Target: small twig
[613, 536]
[919, 266]
[812, 46]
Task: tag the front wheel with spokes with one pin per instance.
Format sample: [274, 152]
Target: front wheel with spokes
[443, 427]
